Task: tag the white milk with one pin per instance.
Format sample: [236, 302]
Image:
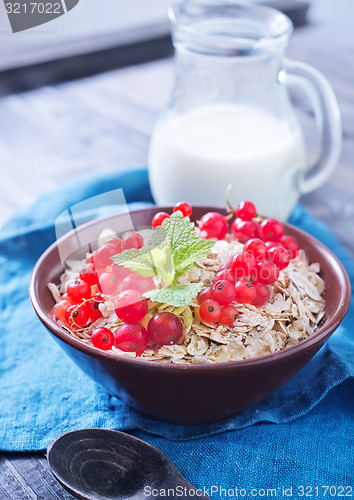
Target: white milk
[194, 157]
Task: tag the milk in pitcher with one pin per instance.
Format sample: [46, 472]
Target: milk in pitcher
[195, 156]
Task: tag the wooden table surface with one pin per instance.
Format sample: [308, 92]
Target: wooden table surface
[103, 122]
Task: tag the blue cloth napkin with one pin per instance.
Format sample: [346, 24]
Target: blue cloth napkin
[45, 394]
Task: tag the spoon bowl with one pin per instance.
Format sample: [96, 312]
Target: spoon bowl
[101, 464]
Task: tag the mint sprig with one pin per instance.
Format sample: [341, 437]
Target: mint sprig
[173, 249]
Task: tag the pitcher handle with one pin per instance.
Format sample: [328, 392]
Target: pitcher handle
[328, 121]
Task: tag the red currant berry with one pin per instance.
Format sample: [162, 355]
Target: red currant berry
[205, 294]
[262, 295]
[102, 256]
[78, 290]
[158, 219]
[77, 316]
[102, 270]
[117, 242]
[246, 210]
[291, 244]
[267, 272]
[243, 265]
[131, 337]
[130, 306]
[214, 225]
[272, 244]
[245, 292]
[65, 296]
[271, 230]
[120, 272]
[60, 308]
[210, 311]
[225, 274]
[102, 338]
[183, 207]
[132, 240]
[257, 248]
[228, 315]
[138, 283]
[165, 328]
[243, 230]
[93, 308]
[108, 283]
[280, 256]
[223, 292]
[89, 274]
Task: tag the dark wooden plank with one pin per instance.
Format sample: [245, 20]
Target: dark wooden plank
[13, 486]
[34, 469]
[26, 476]
[51, 73]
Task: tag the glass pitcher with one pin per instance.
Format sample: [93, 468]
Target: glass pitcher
[230, 119]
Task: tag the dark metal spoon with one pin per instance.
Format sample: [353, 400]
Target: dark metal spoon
[99, 464]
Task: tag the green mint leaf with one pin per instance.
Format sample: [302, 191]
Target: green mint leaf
[158, 237]
[136, 260]
[163, 261]
[179, 230]
[176, 296]
[149, 261]
[186, 256]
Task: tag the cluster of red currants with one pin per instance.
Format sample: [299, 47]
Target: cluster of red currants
[100, 277]
[247, 225]
[163, 328]
[131, 307]
[182, 206]
[76, 311]
[245, 279]
[79, 306]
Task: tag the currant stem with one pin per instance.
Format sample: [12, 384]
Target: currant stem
[227, 199]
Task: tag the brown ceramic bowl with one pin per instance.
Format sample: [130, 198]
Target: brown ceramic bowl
[190, 394]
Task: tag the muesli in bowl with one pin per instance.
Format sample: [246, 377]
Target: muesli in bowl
[193, 293]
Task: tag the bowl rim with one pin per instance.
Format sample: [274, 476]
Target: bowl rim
[319, 335]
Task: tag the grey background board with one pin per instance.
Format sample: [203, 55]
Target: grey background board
[89, 27]
[96, 26]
